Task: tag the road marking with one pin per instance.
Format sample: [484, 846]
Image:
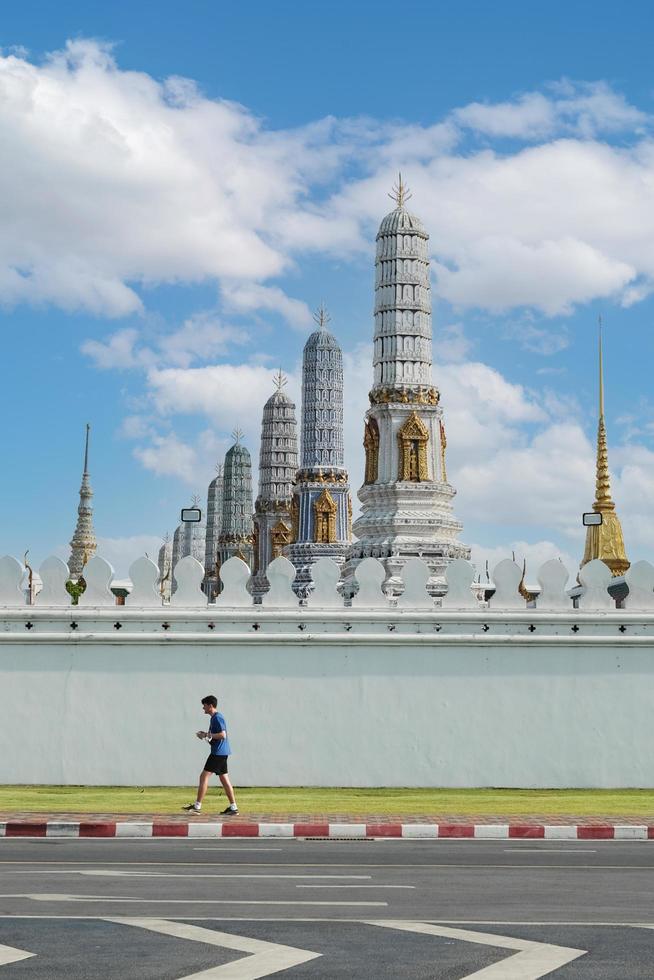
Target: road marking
[230, 847]
[531, 960]
[355, 886]
[58, 897]
[163, 874]
[9, 954]
[101, 873]
[548, 850]
[265, 958]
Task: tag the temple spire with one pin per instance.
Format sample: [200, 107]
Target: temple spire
[83, 543]
[400, 193]
[604, 541]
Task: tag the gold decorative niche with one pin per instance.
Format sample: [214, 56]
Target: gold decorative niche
[413, 439]
[324, 510]
[280, 536]
[295, 518]
[371, 446]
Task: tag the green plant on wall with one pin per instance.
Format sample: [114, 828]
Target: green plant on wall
[75, 589]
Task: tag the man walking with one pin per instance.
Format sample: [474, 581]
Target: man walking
[217, 760]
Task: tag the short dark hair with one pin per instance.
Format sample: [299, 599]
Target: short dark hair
[211, 699]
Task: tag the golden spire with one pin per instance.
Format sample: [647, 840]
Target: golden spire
[605, 540]
[400, 193]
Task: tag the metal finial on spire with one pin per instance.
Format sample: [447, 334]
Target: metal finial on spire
[321, 316]
[86, 448]
[219, 469]
[601, 372]
[280, 380]
[400, 193]
[195, 502]
[237, 435]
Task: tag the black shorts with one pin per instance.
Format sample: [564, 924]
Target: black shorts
[216, 764]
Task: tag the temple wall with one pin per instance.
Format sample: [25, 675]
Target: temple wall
[345, 697]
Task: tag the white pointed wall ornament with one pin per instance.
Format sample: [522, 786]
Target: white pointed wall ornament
[234, 575]
[370, 574]
[188, 574]
[552, 578]
[281, 575]
[11, 576]
[325, 575]
[54, 574]
[98, 575]
[415, 575]
[459, 576]
[507, 576]
[595, 578]
[640, 579]
[145, 584]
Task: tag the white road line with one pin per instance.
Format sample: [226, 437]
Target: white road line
[355, 886]
[109, 873]
[9, 954]
[266, 958]
[531, 960]
[163, 874]
[548, 850]
[130, 900]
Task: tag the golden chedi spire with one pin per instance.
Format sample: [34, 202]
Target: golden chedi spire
[605, 540]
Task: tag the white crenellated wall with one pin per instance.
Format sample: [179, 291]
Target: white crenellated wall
[375, 694]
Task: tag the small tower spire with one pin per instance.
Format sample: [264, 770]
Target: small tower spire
[400, 193]
[86, 448]
[321, 316]
[605, 540]
[83, 543]
[237, 435]
[280, 380]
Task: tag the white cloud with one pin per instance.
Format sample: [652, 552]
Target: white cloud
[246, 297]
[585, 109]
[125, 182]
[200, 338]
[121, 552]
[534, 553]
[167, 455]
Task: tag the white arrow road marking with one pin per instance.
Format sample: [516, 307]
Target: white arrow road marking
[128, 899]
[533, 960]
[9, 954]
[266, 957]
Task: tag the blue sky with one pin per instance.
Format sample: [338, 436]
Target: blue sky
[181, 184]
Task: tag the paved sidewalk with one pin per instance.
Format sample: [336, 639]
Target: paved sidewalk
[210, 824]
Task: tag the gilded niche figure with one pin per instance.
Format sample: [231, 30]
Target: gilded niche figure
[280, 536]
[325, 518]
[371, 446]
[413, 438]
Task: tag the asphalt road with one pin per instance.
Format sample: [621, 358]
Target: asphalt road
[240, 909]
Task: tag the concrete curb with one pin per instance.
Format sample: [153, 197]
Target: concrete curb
[354, 831]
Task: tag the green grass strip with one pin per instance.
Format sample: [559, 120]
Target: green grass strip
[610, 803]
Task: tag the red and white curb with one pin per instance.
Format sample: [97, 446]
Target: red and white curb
[408, 831]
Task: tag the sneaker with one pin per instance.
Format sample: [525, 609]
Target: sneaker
[231, 809]
[192, 807]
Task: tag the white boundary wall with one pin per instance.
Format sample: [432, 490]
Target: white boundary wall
[349, 697]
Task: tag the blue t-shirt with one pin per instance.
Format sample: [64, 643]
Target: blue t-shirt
[221, 745]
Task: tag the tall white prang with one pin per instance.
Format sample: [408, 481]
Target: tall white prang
[278, 461]
[321, 506]
[406, 499]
